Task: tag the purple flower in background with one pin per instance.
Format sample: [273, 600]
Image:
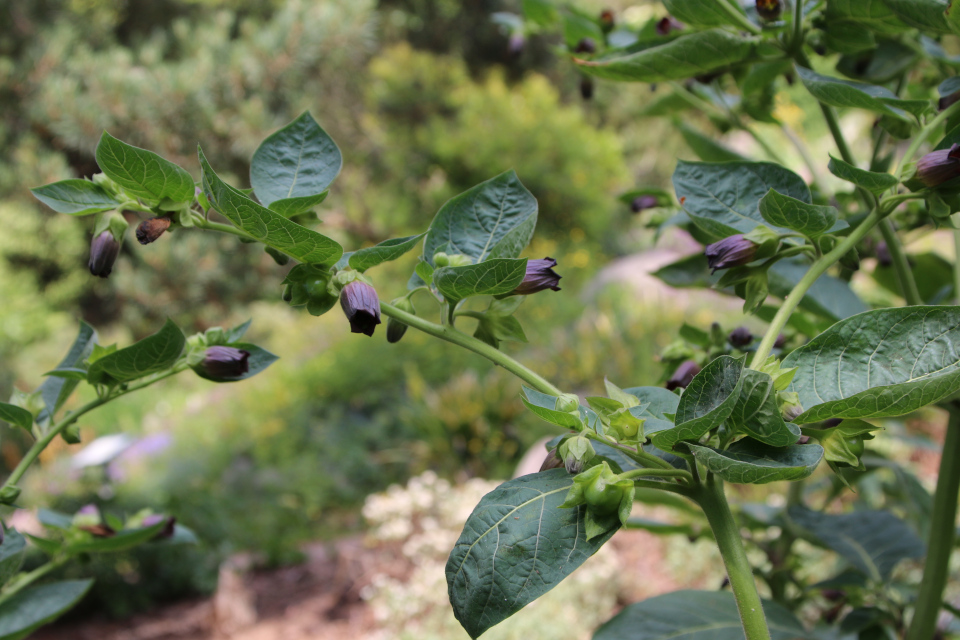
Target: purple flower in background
[740, 337]
[684, 374]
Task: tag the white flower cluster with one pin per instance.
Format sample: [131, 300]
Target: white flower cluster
[424, 519]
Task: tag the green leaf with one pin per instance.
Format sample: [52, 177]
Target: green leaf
[54, 390]
[122, 541]
[299, 161]
[494, 219]
[148, 356]
[872, 541]
[687, 56]
[545, 406]
[34, 607]
[516, 545]
[695, 615]
[846, 93]
[259, 360]
[752, 462]
[809, 219]
[724, 198]
[705, 147]
[289, 207]
[872, 181]
[142, 173]
[699, 13]
[493, 277]
[874, 14]
[265, 225]
[886, 362]
[656, 402]
[12, 552]
[75, 197]
[692, 271]
[926, 15]
[757, 413]
[707, 401]
[829, 297]
[577, 26]
[388, 250]
[17, 416]
[849, 37]
[933, 275]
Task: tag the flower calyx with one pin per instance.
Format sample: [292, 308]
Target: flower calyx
[608, 498]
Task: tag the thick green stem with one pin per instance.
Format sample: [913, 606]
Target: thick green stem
[660, 473]
[817, 269]
[714, 504]
[908, 285]
[796, 39]
[943, 525]
[450, 334]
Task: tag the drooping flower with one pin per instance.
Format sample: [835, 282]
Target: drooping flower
[361, 305]
[740, 337]
[225, 362]
[939, 166]
[769, 9]
[103, 253]
[668, 24]
[149, 230]
[684, 374]
[732, 251]
[540, 275]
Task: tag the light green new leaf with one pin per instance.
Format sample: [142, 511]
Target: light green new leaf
[695, 615]
[259, 360]
[142, 173]
[494, 219]
[17, 416]
[122, 541]
[545, 406]
[657, 402]
[872, 181]
[757, 413]
[872, 541]
[881, 363]
[706, 402]
[75, 197]
[846, 93]
[493, 277]
[55, 390]
[151, 355]
[809, 219]
[723, 198]
[926, 15]
[294, 165]
[516, 545]
[752, 462]
[269, 227]
[687, 56]
[363, 259]
[34, 607]
[12, 552]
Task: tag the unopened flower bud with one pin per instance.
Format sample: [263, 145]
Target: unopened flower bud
[395, 328]
[103, 253]
[948, 100]
[684, 374]
[568, 402]
[643, 202]
[586, 87]
[607, 21]
[668, 24]
[780, 341]
[362, 307]
[515, 44]
[883, 255]
[168, 528]
[740, 337]
[225, 362]
[441, 259]
[149, 230]
[540, 275]
[769, 9]
[586, 45]
[939, 166]
[832, 422]
[733, 251]
[552, 461]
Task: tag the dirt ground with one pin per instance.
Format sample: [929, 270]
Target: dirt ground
[317, 599]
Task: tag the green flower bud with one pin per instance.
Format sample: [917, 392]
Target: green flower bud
[279, 257]
[568, 403]
[441, 259]
[395, 328]
[9, 495]
[576, 452]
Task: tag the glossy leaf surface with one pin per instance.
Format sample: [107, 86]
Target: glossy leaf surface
[142, 173]
[752, 462]
[75, 197]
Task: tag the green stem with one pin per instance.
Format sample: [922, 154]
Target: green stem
[479, 347]
[817, 269]
[923, 135]
[209, 225]
[739, 18]
[639, 456]
[943, 524]
[796, 40]
[660, 473]
[908, 285]
[26, 580]
[712, 500]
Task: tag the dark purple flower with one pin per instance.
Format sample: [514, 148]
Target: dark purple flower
[515, 45]
[733, 251]
[586, 45]
[586, 87]
[769, 9]
[780, 341]
[668, 24]
[362, 307]
[225, 362]
[150, 230]
[607, 20]
[948, 100]
[832, 422]
[643, 202]
[683, 375]
[939, 166]
[883, 254]
[103, 253]
[740, 337]
[540, 275]
[168, 528]
[552, 461]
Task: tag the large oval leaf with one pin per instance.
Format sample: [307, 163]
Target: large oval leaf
[75, 197]
[706, 402]
[516, 545]
[690, 55]
[846, 93]
[695, 615]
[36, 606]
[811, 220]
[494, 219]
[886, 362]
[752, 462]
[723, 198]
[297, 162]
[491, 278]
[150, 355]
[872, 181]
[757, 413]
[142, 173]
[269, 227]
